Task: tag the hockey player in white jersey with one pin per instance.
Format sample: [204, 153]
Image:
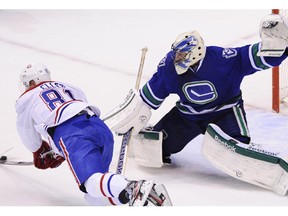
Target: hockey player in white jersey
[56, 123]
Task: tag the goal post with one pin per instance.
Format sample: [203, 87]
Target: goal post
[280, 77]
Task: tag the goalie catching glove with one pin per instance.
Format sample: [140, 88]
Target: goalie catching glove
[132, 113]
[274, 35]
[45, 158]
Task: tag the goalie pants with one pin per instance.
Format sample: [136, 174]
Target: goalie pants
[87, 144]
[178, 131]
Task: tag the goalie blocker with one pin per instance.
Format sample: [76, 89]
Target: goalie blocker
[132, 113]
[144, 146]
[251, 163]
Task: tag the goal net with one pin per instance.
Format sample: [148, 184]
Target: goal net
[280, 77]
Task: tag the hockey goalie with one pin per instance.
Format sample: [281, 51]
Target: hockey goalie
[207, 80]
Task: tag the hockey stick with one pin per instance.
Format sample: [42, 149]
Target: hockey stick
[3, 160]
[126, 137]
[9, 149]
[139, 75]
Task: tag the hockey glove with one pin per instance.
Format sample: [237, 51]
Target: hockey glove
[45, 158]
[274, 35]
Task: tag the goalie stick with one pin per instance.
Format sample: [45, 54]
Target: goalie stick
[123, 152]
[126, 137]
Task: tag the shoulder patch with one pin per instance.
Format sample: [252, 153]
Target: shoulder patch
[162, 62]
[229, 53]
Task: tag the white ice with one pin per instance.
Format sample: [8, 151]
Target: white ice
[99, 51]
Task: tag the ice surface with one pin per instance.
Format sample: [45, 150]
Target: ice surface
[99, 51]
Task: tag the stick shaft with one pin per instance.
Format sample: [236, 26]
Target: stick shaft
[141, 65]
[121, 165]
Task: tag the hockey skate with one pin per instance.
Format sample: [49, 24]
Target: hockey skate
[147, 193]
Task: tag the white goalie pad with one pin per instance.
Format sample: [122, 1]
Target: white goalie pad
[146, 148]
[132, 113]
[250, 163]
[274, 35]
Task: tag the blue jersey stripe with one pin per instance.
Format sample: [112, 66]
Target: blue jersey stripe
[108, 185]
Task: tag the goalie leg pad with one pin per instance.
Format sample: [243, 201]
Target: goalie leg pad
[146, 148]
[249, 163]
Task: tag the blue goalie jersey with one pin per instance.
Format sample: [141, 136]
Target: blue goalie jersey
[212, 87]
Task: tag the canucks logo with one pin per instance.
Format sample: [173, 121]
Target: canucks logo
[200, 92]
[162, 62]
[229, 53]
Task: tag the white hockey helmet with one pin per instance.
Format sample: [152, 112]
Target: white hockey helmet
[36, 72]
[189, 48]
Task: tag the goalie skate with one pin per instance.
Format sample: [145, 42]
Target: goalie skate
[147, 193]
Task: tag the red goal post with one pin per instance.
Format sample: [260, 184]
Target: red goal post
[280, 77]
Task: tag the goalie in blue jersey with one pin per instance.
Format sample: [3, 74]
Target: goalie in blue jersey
[207, 81]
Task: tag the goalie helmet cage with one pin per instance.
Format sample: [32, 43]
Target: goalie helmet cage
[280, 77]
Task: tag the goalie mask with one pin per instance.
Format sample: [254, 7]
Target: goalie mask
[188, 49]
[36, 72]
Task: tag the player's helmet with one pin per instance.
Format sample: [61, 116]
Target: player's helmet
[189, 48]
[37, 72]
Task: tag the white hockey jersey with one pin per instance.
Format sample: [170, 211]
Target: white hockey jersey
[47, 105]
